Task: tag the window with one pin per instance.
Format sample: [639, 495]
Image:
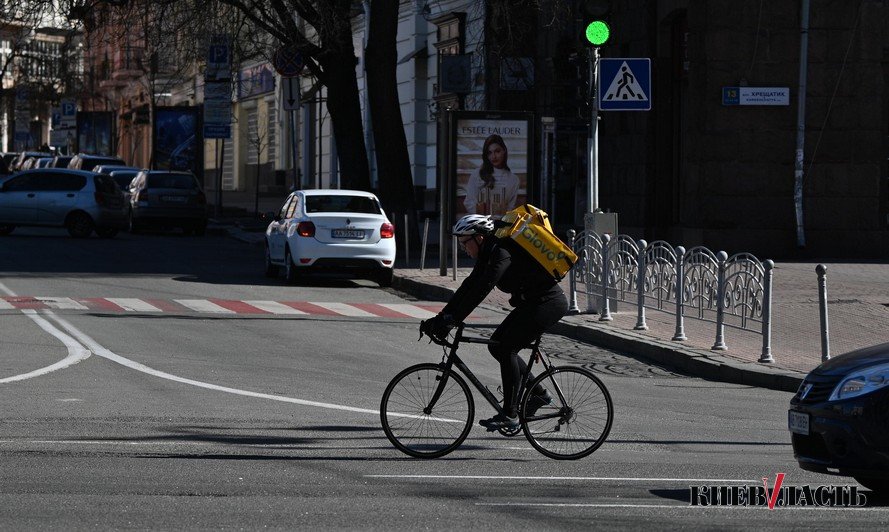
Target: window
[106, 184]
[355, 204]
[179, 181]
[21, 184]
[282, 213]
[61, 182]
[291, 210]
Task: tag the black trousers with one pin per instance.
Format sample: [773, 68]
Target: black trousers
[522, 326]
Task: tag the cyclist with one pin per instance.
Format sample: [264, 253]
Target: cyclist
[537, 299]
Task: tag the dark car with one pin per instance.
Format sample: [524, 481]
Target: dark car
[6, 160]
[83, 161]
[165, 199]
[82, 202]
[61, 161]
[839, 418]
[17, 163]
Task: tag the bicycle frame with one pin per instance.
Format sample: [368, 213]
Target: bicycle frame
[453, 360]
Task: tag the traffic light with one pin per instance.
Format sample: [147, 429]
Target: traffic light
[596, 30]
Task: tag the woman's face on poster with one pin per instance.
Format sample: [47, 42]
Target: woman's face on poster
[496, 155]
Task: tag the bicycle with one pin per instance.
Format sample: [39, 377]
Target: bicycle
[427, 410]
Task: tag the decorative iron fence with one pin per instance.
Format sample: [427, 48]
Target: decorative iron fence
[728, 291]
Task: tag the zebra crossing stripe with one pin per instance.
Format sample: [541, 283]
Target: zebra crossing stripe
[411, 310]
[4, 305]
[273, 307]
[61, 303]
[203, 305]
[345, 309]
[133, 304]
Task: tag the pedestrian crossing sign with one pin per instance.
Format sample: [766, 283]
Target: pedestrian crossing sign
[625, 84]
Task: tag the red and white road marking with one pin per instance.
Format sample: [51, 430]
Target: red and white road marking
[126, 305]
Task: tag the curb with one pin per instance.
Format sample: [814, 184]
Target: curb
[694, 362]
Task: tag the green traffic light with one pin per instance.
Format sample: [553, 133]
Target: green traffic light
[597, 32]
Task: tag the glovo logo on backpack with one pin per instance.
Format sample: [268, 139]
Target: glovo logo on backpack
[530, 228]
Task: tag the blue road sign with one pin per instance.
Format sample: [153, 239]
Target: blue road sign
[625, 84]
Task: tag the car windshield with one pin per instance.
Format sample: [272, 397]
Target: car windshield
[182, 181]
[355, 204]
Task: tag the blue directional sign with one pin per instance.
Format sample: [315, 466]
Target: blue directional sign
[625, 84]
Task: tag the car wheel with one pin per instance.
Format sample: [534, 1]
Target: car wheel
[6, 229]
[271, 270]
[879, 485]
[79, 225]
[200, 228]
[107, 232]
[290, 272]
[384, 277]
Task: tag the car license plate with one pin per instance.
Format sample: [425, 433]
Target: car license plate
[347, 233]
[174, 199]
[798, 422]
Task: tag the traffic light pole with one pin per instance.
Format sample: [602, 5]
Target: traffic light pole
[593, 140]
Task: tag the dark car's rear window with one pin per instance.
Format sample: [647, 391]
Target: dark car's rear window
[105, 184]
[356, 204]
[124, 180]
[90, 163]
[171, 181]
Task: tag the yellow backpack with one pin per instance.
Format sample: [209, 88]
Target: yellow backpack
[530, 228]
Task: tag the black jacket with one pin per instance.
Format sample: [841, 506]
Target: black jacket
[504, 264]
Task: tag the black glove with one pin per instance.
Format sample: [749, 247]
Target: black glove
[437, 326]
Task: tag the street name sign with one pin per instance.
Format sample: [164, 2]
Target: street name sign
[755, 96]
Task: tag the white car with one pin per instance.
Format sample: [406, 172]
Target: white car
[340, 230]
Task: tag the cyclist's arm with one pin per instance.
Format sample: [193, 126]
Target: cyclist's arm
[479, 284]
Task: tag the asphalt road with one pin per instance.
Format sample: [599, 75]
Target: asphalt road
[187, 419]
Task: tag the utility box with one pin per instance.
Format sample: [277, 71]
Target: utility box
[601, 223]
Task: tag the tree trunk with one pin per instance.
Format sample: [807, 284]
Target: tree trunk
[345, 116]
[393, 161]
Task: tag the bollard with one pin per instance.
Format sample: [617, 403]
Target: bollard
[606, 311]
[572, 281]
[719, 344]
[768, 267]
[821, 270]
[454, 249]
[679, 334]
[425, 241]
[641, 270]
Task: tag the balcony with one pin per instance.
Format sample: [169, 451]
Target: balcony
[126, 63]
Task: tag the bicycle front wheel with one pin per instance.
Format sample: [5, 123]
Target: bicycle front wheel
[414, 428]
[574, 427]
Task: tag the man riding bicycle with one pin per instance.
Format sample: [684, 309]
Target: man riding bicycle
[538, 302]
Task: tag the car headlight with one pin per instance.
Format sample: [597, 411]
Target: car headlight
[861, 382]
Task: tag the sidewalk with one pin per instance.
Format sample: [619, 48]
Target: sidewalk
[858, 309]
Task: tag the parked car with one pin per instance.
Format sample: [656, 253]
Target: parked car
[80, 201]
[124, 178]
[108, 168]
[6, 160]
[839, 418]
[61, 161]
[27, 164]
[24, 156]
[164, 199]
[83, 161]
[339, 230]
[43, 162]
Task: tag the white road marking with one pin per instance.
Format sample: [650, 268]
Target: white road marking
[410, 310]
[202, 305]
[274, 307]
[61, 303]
[5, 305]
[76, 352]
[133, 305]
[101, 351]
[345, 309]
[606, 479]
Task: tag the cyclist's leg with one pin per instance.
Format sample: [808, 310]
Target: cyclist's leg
[521, 327]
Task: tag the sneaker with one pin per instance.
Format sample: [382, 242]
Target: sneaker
[500, 421]
[536, 402]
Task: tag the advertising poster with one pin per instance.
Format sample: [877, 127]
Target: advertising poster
[94, 132]
[492, 162]
[176, 139]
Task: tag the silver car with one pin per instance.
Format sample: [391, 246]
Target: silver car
[80, 201]
[161, 198]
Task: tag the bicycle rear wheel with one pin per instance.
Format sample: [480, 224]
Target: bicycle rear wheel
[576, 427]
[412, 429]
